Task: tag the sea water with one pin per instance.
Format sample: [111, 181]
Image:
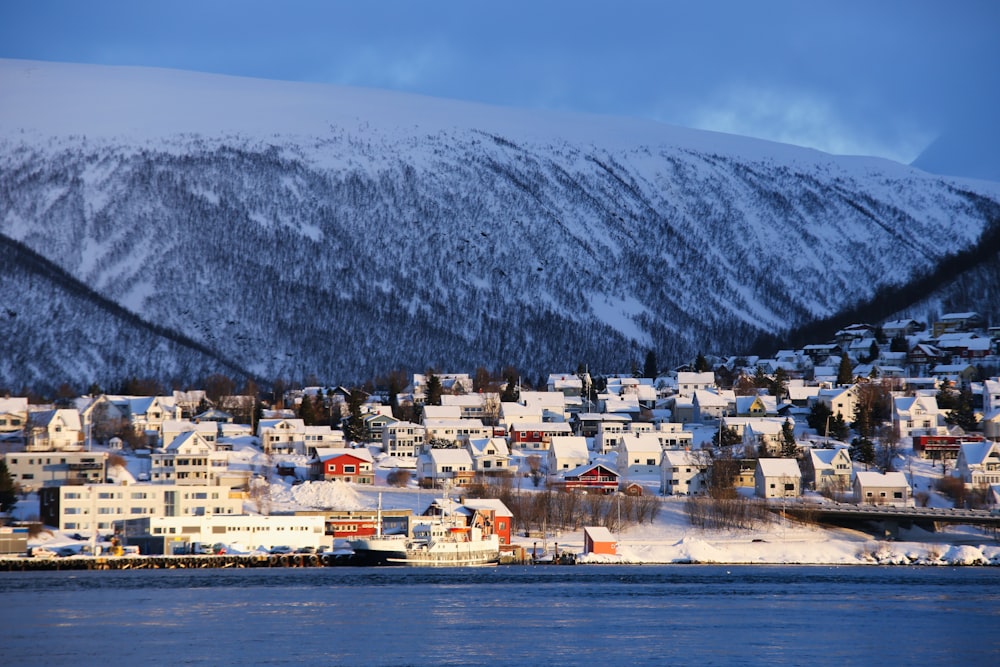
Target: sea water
[543, 615]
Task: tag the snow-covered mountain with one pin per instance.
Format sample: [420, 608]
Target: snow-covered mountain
[293, 229]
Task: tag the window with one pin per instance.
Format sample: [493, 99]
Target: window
[350, 469]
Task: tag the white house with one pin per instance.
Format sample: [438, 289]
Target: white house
[777, 478]
[13, 417]
[639, 454]
[285, 436]
[489, 455]
[829, 469]
[188, 459]
[55, 430]
[917, 415]
[404, 440]
[682, 473]
[978, 463]
[689, 382]
[440, 466]
[875, 488]
[566, 453]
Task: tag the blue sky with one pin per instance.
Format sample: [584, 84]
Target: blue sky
[879, 78]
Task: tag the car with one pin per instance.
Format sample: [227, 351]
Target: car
[306, 550]
[281, 549]
[43, 552]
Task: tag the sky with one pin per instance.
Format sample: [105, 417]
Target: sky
[869, 77]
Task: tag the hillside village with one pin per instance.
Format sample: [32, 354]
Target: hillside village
[843, 421]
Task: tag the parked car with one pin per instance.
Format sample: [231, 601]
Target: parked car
[282, 549]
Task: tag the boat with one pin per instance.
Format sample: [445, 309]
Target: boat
[437, 542]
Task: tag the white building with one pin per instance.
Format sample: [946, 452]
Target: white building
[80, 508]
[682, 473]
[249, 530]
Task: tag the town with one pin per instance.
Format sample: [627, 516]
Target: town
[901, 415]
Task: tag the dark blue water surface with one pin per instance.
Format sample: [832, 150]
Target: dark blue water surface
[612, 615]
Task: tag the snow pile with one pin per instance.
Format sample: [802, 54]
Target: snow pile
[316, 495]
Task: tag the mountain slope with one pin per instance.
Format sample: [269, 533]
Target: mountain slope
[85, 337]
[344, 233]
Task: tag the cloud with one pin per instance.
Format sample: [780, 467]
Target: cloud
[810, 119]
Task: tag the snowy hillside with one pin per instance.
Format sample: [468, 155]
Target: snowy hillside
[295, 228]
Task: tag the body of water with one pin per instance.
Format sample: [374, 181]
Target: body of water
[551, 615]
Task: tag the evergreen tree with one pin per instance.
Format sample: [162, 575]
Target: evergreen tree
[863, 450]
[355, 428]
[433, 390]
[760, 379]
[899, 344]
[778, 385]
[701, 364]
[789, 449]
[873, 352]
[845, 373]
[726, 436]
[649, 368]
[838, 428]
[818, 415]
[8, 494]
[962, 415]
[307, 412]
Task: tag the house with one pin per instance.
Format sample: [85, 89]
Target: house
[903, 328]
[763, 435]
[437, 467]
[917, 415]
[490, 456]
[952, 322]
[777, 478]
[592, 477]
[978, 463]
[282, 436]
[671, 435]
[455, 432]
[567, 452]
[875, 488]
[374, 423]
[188, 459]
[599, 540]
[758, 405]
[403, 440]
[956, 374]
[482, 405]
[490, 514]
[708, 406]
[340, 464]
[689, 382]
[639, 454]
[840, 400]
[827, 469]
[147, 414]
[55, 430]
[33, 470]
[567, 384]
[551, 405]
[683, 473]
[13, 417]
[172, 428]
[610, 432]
[938, 447]
[924, 355]
[537, 435]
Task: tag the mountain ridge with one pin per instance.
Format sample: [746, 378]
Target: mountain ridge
[367, 247]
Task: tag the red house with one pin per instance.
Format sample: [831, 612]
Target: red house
[492, 516]
[536, 435]
[347, 465]
[591, 477]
